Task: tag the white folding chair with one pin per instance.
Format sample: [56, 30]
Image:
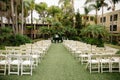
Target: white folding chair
[26, 64]
[105, 62]
[13, 64]
[83, 57]
[3, 64]
[93, 63]
[115, 63]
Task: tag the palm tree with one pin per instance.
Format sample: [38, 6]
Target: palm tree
[113, 2]
[2, 10]
[94, 34]
[41, 8]
[14, 6]
[94, 31]
[13, 14]
[32, 7]
[53, 11]
[96, 6]
[86, 11]
[22, 17]
[102, 2]
[64, 5]
[7, 10]
[68, 9]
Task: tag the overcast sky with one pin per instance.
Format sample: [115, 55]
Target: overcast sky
[78, 4]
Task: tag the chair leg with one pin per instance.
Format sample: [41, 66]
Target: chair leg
[9, 69]
[5, 70]
[119, 66]
[18, 69]
[31, 70]
[21, 69]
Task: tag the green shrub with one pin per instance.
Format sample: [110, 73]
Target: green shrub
[75, 38]
[114, 42]
[16, 40]
[93, 41]
[118, 52]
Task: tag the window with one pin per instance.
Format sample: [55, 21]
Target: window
[104, 19]
[87, 18]
[101, 20]
[114, 28]
[115, 17]
[110, 17]
[91, 18]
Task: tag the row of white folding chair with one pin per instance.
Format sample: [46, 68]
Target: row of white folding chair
[104, 63]
[33, 52]
[24, 50]
[82, 50]
[36, 51]
[16, 63]
[74, 47]
[98, 51]
[94, 50]
[39, 49]
[12, 49]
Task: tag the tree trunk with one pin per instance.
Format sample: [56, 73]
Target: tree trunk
[32, 23]
[16, 20]
[96, 22]
[1, 21]
[22, 18]
[13, 21]
[8, 21]
[102, 15]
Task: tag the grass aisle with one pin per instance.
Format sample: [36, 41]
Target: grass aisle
[59, 64]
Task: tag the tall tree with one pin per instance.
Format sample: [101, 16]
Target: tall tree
[41, 8]
[2, 10]
[54, 11]
[68, 9]
[96, 7]
[78, 23]
[102, 2]
[86, 11]
[32, 8]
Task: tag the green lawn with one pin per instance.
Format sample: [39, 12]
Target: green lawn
[59, 64]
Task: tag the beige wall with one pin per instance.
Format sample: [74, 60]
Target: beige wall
[89, 21]
[107, 23]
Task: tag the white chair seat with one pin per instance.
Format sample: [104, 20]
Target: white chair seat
[35, 56]
[78, 52]
[115, 60]
[105, 60]
[3, 62]
[93, 61]
[26, 62]
[83, 55]
[15, 62]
